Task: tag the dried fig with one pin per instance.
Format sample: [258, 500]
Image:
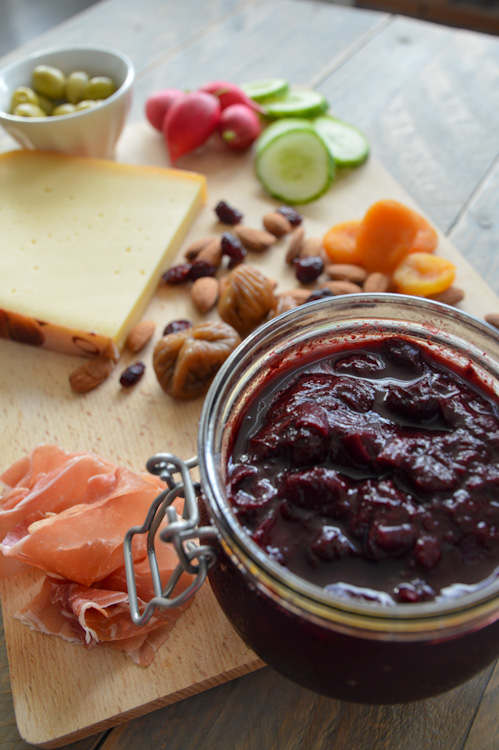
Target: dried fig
[284, 302]
[246, 297]
[186, 362]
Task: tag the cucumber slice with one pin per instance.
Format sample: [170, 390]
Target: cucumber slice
[347, 144]
[278, 127]
[259, 91]
[293, 163]
[297, 103]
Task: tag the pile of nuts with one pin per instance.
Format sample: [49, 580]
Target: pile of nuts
[306, 255]
[244, 298]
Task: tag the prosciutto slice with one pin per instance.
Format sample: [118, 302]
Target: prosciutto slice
[45, 482]
[67, 514]
[84, 543]
[97, 617]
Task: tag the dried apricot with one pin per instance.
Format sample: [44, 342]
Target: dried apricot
[340, 242]
[423, 274]
[388, 232]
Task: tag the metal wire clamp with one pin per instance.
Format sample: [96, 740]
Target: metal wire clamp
[194, 559]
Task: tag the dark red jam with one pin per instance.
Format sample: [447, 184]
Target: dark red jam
[373, 473]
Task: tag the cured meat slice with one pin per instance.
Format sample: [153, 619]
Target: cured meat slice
[90, 616]
[67, 514]
[48, 481]
[84, 543]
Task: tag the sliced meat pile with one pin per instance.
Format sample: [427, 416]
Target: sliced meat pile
[67, 514]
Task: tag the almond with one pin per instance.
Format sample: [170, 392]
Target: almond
[204, 293]
[277, 224]
[492, 319]
[91, 374]
[256, 240]
[341, 287]
[295, 244]
[110, 351]
[195, 247]
[298, 295]
[140, 335]
[211, 252]
[312, 246]
[24, 329]
[347, 272]
[451, 296]
[376, 282]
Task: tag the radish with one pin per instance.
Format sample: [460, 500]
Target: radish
[239, 126]
[189, 122]
[158, 104]
[228, 94]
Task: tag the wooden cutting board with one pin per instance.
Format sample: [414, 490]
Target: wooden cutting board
[62, 692]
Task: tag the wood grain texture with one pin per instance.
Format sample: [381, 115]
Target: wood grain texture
[202, 650]
[144, 31]
[428, 115]
[427, 97]
[264, 710]
[250, 43]
[476, 232]
[480, 16]
[484, 731]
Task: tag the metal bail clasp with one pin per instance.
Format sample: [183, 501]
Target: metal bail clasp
[194, 559]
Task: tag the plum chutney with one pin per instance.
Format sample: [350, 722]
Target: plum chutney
[373, 473]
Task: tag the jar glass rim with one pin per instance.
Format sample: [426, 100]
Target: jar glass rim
[449, 329]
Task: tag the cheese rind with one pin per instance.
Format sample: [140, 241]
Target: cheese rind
[84, 244]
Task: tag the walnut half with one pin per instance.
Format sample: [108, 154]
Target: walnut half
[186, 362]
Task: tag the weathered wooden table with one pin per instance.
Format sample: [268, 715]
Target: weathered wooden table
[428, 98]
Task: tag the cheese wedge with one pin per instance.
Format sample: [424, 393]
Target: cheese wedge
[83, 245]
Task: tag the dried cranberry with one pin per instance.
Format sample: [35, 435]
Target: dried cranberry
[177, 325]
[132, 374]
[413, 592]
[177, 274]
[309, 268]
[361, 365]
[228, 214]
[320, 294]
[291, 214]
[201, 268]
[331, 544]
[427, 552]
[383, 540]
[233, 248]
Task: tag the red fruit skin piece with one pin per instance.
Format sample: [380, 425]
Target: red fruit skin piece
[189, 122]
[158, 104]
[228, 94]
[239, 127]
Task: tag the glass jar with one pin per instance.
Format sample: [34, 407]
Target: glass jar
[346, 649]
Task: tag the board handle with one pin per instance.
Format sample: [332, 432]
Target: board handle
[194, 559]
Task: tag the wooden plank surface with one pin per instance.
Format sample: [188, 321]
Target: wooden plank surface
[480, 15]
[380, 79]
[129, 427]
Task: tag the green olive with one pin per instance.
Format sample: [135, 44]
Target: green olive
[23, 95]
[76, 84]
[29, 110]
[87, 104]
[46, 105]
[49, 81]
[63, 109]
[99, 87]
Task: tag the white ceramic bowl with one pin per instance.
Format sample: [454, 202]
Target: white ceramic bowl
[89, 132]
